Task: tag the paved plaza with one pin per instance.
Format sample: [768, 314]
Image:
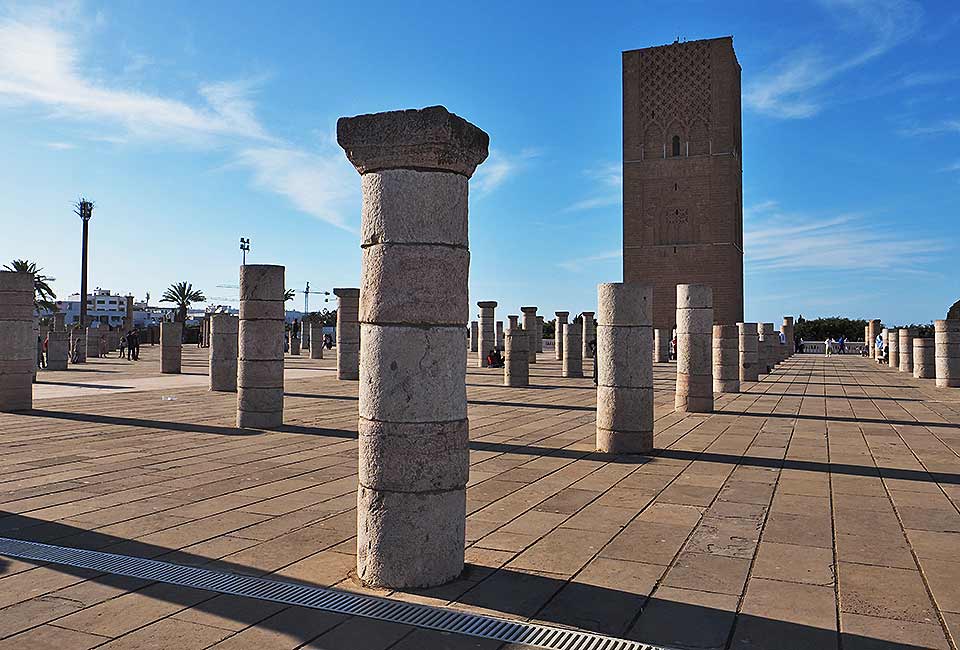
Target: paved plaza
[817, 508]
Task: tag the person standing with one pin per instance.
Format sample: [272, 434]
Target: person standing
[123, 344]
[41, 348]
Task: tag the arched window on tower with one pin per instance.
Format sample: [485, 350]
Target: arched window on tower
[676, 146]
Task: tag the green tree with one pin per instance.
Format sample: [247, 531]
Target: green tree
[289, 294]
[44, 299]
[182, 294]
[325, 317]
[820, 329]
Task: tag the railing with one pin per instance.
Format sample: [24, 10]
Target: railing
[819, 347]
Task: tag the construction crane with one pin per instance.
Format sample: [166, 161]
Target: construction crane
[306, 297]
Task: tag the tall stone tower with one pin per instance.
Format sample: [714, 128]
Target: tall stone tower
[682, 193]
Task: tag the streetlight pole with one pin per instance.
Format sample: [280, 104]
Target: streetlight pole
[84, 210]
[244, 246]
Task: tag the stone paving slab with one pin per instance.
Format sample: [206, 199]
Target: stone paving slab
[820, 507]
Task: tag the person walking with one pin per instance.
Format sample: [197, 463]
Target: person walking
[41, 346]
[133, 345]
[842, 344]
[123, 344]
[828, 346]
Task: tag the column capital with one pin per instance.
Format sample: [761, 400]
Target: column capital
[426, 139]
[487, 304]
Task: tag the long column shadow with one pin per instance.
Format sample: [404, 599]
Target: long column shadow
[513, 593]
[839, 418]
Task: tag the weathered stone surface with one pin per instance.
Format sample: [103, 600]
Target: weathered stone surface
[500, 334]
[414, 539]
[893, 348]
[261, 340]
[348, 334]
[436, 455]
[487, 335]
[260, 348]
[619, 350]
[905, 349]
[726, 359]
[410, 207]
[947, 351]
[410, 374]
[924, 359]
[767, 340]
[256, 373]
[747, 344]
[17, 342]
[294, 345]
[171, 343]
[572, 349]
[558, 334]
[528, 321]
[58, 349]
[588, 333]
[516, 361]
[624, 409]
[429, 139]
[474, 336]
[260, 282]
[261, 310]
[694, 393]
[317, 345]
[224, 352]
[661, 344]
[539, 333]
[873, 328]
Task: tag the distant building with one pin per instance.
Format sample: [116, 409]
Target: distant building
[107, 308]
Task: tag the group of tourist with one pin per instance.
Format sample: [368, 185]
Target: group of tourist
[838, 345]
[131, 342]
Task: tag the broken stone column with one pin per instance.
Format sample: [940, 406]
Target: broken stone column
[58, 349]
[788, 329]
[905, 349]
[516, 358]
[59, 320]
[768, 338]
[171, 347]
[893, 348]
[304, 335]
[18, 345]
[348, 334]
[37, 347]
[474, 336]
[572, 349]
[260, 368]
[588, 335]
[726, 359]
[316, 338]
[661, 345]
[873, 328]
[528, 321]
[294, 344]
[924, 359]
[694, 348]
[747, 350]
[413, 430]
[539, 333]
[558, 334]
[488, 336]
[93, 343]
[500, 334]
[224, 352]
[624, 368]
[946, 337]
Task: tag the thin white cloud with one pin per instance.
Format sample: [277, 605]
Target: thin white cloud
[499, 168]
[578, 263]
[323, 186]
[796, 87]
[846, 243]
[938, 128]
[609, 176]
[60, 146]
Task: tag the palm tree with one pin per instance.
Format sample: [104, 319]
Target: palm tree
[43, 296]
[182, 294]
[288, 294]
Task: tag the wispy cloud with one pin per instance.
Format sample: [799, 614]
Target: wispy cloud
[579, 263]
[798, 86]
[609, 179]
[59, 146]
[499, 168]
[943, 126]
[775, 240]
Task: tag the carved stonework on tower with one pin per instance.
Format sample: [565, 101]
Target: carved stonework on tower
[682, 209]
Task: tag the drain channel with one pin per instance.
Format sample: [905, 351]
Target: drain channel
[330, 600]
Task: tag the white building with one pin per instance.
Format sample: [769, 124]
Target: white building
[107, 308]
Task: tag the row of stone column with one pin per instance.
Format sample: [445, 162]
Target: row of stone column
[937, 358]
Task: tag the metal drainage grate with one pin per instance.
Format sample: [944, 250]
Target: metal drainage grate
[330, 600]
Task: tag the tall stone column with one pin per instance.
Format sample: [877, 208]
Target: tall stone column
[348, 334]
[305, 335]
[624, 368]
[905, 349]
[224, 352]
[893, 348]
[500, 334]
[694, 348]
[747, 348]
[726, 359]
[946, 337]
[539, 333]
[558, 334]
[59, 319]
[588, 335]
[171, 347]
[661, 345]
[18, 345]
[924, 359]
[58, 349]
[885, 337]
[34, 339]
[474, 336]
[488, 335]
[516, 358]
[528, 321]
[873, 328]
[413, 430]
[294, 344]
[573, 349]
[260, 369]
[93, 343]
[766, 346]
[788, 331]
[316, 338]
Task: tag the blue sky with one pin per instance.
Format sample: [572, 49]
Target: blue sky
[192, 124]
